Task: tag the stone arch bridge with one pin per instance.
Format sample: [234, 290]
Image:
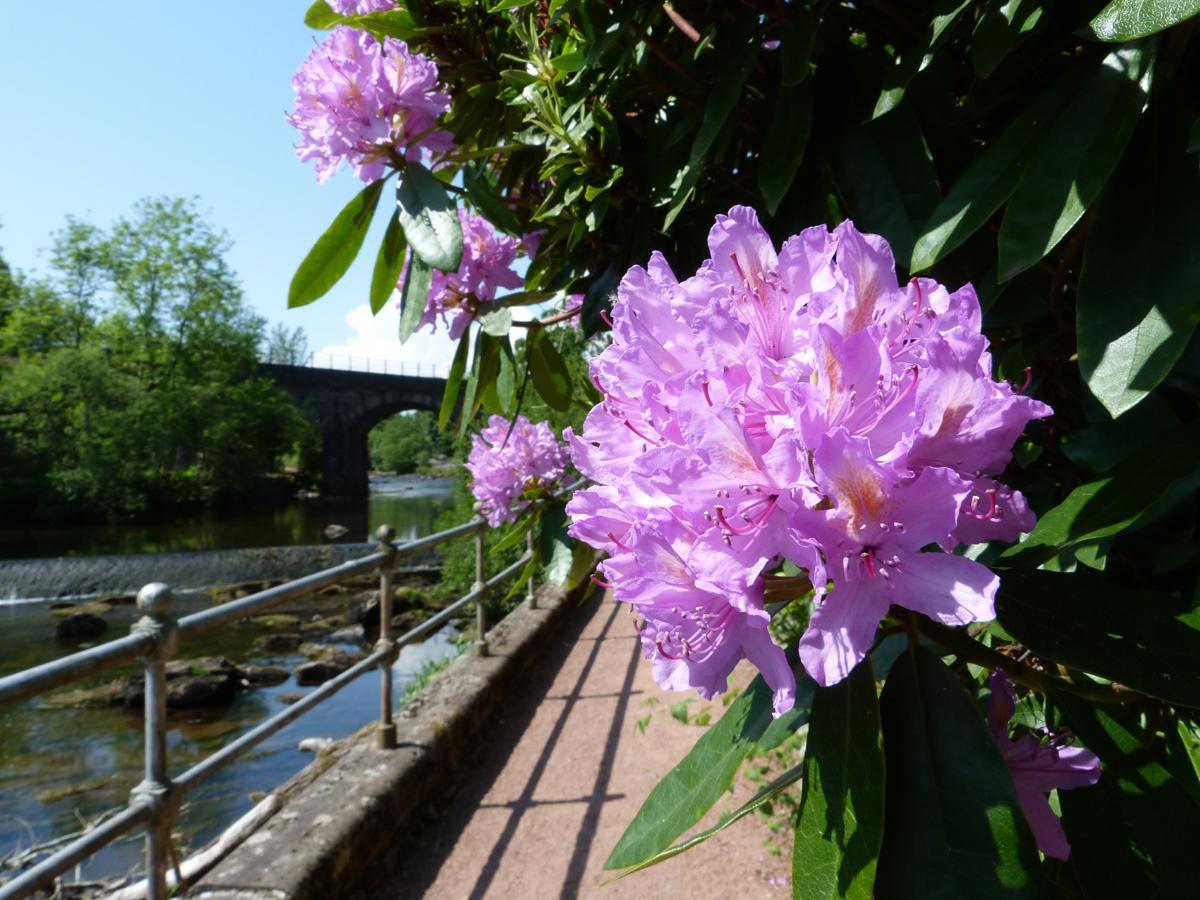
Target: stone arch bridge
[346, 405]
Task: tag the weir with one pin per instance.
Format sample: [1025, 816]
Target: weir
[158, 635]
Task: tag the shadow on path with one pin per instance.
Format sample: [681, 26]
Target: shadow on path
[427, 842]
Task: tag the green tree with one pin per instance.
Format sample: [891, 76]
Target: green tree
[130, 376]
[286, 346]
[405, 441]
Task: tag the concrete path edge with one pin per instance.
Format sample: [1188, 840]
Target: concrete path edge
[342, 811]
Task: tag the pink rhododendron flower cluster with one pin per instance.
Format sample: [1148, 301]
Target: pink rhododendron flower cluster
[1038, 764]
[503, 471]
[795, 405]
[488, 256]
[366, 103]
[359, 7]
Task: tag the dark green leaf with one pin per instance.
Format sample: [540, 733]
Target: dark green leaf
[473, 394]
[679, 712]
[336, 249]
[886, 177]
[1085, 621]
[1139, 290]
[916, 58]
[583, 560]
[414, 297]
[429, 218]
[785, 143]
[796, 46]
[454, 381]
[1124, 20]
[762, 798]
[389, 263]
[987, 182]
[321, 16]
[1073, 158]
[953, 826]
[1155, 818]
[839, 828]
[489, 205]
[548, 370]
[506, 379]
[397, 23]
[1001, 25]
[1106, 507]
[690, 789]
[722, 100]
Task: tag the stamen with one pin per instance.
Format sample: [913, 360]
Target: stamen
[707, 396]
[596, 579]
[607, 318]
[1028, 378]
[612, 537]
[648, 440]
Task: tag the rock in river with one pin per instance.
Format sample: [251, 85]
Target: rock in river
[80, 626]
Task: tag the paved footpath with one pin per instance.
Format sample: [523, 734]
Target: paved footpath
[561, 773]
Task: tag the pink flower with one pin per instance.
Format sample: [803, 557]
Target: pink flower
[359, 7]
[487, 260]
[794, 405]
[509, 462]
[366, 103]
[1038, 764]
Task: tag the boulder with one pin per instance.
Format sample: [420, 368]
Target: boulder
[80, 626]
[279, 643]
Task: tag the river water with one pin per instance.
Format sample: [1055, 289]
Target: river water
[59, 767]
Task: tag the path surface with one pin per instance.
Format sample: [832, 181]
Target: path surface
[563, 771]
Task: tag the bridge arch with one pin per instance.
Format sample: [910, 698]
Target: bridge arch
[345, 406]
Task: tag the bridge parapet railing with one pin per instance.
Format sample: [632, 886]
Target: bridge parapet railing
[370, 365]
[155, 637]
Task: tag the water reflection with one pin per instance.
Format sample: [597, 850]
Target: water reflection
[61, 767]
[409, 503]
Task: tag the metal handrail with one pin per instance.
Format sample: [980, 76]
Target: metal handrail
[157, 635]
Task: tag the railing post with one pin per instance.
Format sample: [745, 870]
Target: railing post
[481, 646]
[387, 725]
[530, 593]
[155, 601]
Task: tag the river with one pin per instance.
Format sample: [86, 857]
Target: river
[61, 766]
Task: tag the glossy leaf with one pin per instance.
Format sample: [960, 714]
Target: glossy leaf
[689, 790]
[1073, 158]
[915, 59]
[839, 828]
[1085, 621]
[766, 795]
[389, 264]
[1139, 290]
[786, 139]
[498, 322]
[557, 548]
[883, 171]
[506, 379]
[396, 23]
[1155, 818]
[489, 205]
[1102, 508]
[987, 181]
[414, 297]
[1124, 20]
[1002, 24]
[548, 370]
[321, 16]
[796, 46]
[454, 380]
[336, 249]
[953, 826]
[721, 102]
[429, 218]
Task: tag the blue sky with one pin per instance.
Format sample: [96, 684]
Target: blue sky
[104, 104]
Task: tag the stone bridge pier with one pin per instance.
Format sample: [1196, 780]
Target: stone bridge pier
[345, 406]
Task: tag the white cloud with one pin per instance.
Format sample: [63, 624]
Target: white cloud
[373, 344]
